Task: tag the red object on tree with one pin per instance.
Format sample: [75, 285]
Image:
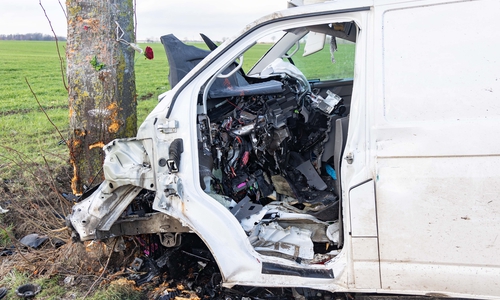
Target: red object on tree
[149, 53]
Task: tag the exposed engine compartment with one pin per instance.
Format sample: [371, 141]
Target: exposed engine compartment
[262, 156]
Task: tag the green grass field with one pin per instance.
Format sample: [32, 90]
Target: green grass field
[23, 126]
[26, 132]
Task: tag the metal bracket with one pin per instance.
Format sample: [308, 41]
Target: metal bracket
[170, 239]
[169, 127]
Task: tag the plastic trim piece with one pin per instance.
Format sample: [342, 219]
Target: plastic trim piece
[277, 269]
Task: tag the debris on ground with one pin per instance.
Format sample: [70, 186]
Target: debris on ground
[33, 240]
[189, 271]
[69, 281]
[28, 290]
[7, 251]
[72, 198]
[137, 263]
[57, 242]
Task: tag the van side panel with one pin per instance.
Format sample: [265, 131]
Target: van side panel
[438, 223]
[435, 141]
[441, 62]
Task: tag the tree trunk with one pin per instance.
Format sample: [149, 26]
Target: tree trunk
[101, 81]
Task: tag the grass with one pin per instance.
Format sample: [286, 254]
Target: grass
[38, 62]
[50, 287]
[320, 66]
[119, 290]
[24, 128]
[5, 234]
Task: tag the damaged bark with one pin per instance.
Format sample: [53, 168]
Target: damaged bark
[101, 79]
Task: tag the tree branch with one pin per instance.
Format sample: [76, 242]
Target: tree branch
[43, 110]
[135, 21]
[64, 11]
[57, 46]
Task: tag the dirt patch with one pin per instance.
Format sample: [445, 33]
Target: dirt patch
[28, 110]
[146, 96]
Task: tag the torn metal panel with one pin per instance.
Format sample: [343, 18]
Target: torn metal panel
[149, 223]
[127, 163]
[100, 210]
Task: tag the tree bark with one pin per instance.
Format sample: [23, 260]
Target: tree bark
[101, 81]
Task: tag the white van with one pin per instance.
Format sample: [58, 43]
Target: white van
[360, 153]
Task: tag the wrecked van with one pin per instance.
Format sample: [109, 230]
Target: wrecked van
[358, 154]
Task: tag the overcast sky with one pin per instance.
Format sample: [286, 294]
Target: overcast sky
[184, 18]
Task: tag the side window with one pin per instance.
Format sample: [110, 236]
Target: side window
[334, 61]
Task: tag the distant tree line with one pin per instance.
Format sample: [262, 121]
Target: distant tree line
[30, 37]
